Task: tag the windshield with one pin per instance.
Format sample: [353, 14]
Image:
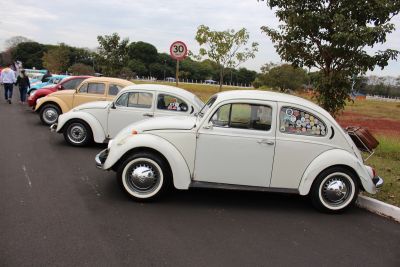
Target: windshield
[207, 106]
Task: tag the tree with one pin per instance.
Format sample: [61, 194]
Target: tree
[283, 77]
[332, 36]
[30, 54]
[57, 59]
[81, 69]
[227, 48]
[137, 67]
[144, 52]
[112, 54]
[15, 40]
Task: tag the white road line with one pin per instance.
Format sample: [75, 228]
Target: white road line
[27, 176]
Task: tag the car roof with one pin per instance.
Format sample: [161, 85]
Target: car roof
[270, 96]
[163, 88]
[109, 80]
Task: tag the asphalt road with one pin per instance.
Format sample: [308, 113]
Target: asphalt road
[57, 209]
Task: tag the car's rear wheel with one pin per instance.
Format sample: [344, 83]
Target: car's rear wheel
[49, 114]
[78, 133]
[334, 190]
[144, 176]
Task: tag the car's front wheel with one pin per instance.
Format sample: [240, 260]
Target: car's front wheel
[78, 133]
[144, 176]
[334, 190]
[49, 114]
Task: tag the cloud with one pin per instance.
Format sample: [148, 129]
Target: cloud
[160, 23]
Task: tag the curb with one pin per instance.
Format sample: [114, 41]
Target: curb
[379, 207]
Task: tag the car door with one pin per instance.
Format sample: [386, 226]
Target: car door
[171, 105]
[130, 107]
[235, 145]
[88, 92]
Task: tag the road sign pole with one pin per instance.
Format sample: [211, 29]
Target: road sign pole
[177, 73]
[178, 50]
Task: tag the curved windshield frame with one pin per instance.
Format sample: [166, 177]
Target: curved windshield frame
[207, 106]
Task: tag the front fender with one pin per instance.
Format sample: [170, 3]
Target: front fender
[331, 158]
[48, 99]
[99, 135]
[179, 167]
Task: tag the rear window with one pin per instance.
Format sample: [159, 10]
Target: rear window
[297, 121]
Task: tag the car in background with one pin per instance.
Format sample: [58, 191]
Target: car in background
[91, 89]
[70, 83]
[243, 140]
[210, 82]
[102, 120]
[52, 80]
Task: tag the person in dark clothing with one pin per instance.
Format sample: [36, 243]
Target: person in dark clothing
[48, 74]
[23, 84]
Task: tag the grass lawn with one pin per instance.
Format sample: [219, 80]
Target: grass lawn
[381, 118]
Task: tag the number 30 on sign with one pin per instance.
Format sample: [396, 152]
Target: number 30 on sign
[178, 50]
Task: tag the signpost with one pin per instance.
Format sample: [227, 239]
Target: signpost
[178, 50]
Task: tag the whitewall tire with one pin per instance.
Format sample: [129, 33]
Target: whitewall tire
[334, 190]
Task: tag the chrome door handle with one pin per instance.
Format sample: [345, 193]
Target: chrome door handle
[266, 142]
[148, 115]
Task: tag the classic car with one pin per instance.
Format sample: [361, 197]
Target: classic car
[69, 83]
[55, 79]
[92, 89]
[245, 140]
[99, 121]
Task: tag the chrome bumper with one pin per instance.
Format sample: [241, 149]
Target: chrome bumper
[101, 158]
[378, 181]
[53, 127]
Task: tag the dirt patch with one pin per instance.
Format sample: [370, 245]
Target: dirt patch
[377, 126]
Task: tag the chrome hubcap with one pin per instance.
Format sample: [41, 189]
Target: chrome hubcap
[336, 190]
[50, 115]
[77, 133]
[142, 177]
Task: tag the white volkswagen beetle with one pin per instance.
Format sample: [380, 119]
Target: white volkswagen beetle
[102, 120]
[246, 140]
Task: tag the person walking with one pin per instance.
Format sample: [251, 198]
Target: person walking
[45, 76]
[8, 79]
[23, 84]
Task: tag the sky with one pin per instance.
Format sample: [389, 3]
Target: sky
[78, 23]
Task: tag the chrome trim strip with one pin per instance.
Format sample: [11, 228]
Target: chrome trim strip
[198, 184]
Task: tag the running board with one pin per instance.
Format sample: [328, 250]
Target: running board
[198, 184]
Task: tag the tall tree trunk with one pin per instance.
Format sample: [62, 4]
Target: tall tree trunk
[221, 78]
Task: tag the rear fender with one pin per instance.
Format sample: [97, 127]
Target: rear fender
[179, 167]
[335, 157]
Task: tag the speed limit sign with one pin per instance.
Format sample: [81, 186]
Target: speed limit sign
[178, 50]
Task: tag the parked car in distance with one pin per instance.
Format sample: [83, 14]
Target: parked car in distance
[102, 120]
[210, 82]
[246, 140]
[55, 79]
[70, 83]
[91, 89]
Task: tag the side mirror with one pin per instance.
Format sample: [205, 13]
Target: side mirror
[113, 105]
[209, 125]
[60, 87]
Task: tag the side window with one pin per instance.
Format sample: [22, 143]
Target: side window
[140, 100]
[83, 88]
[297, 121]
[71, 84]
[243, 116]
[169, 102]
[96, 88]
[114, 89]
[122, 100]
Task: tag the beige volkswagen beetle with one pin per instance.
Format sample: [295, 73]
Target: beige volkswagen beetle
[92, 89]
